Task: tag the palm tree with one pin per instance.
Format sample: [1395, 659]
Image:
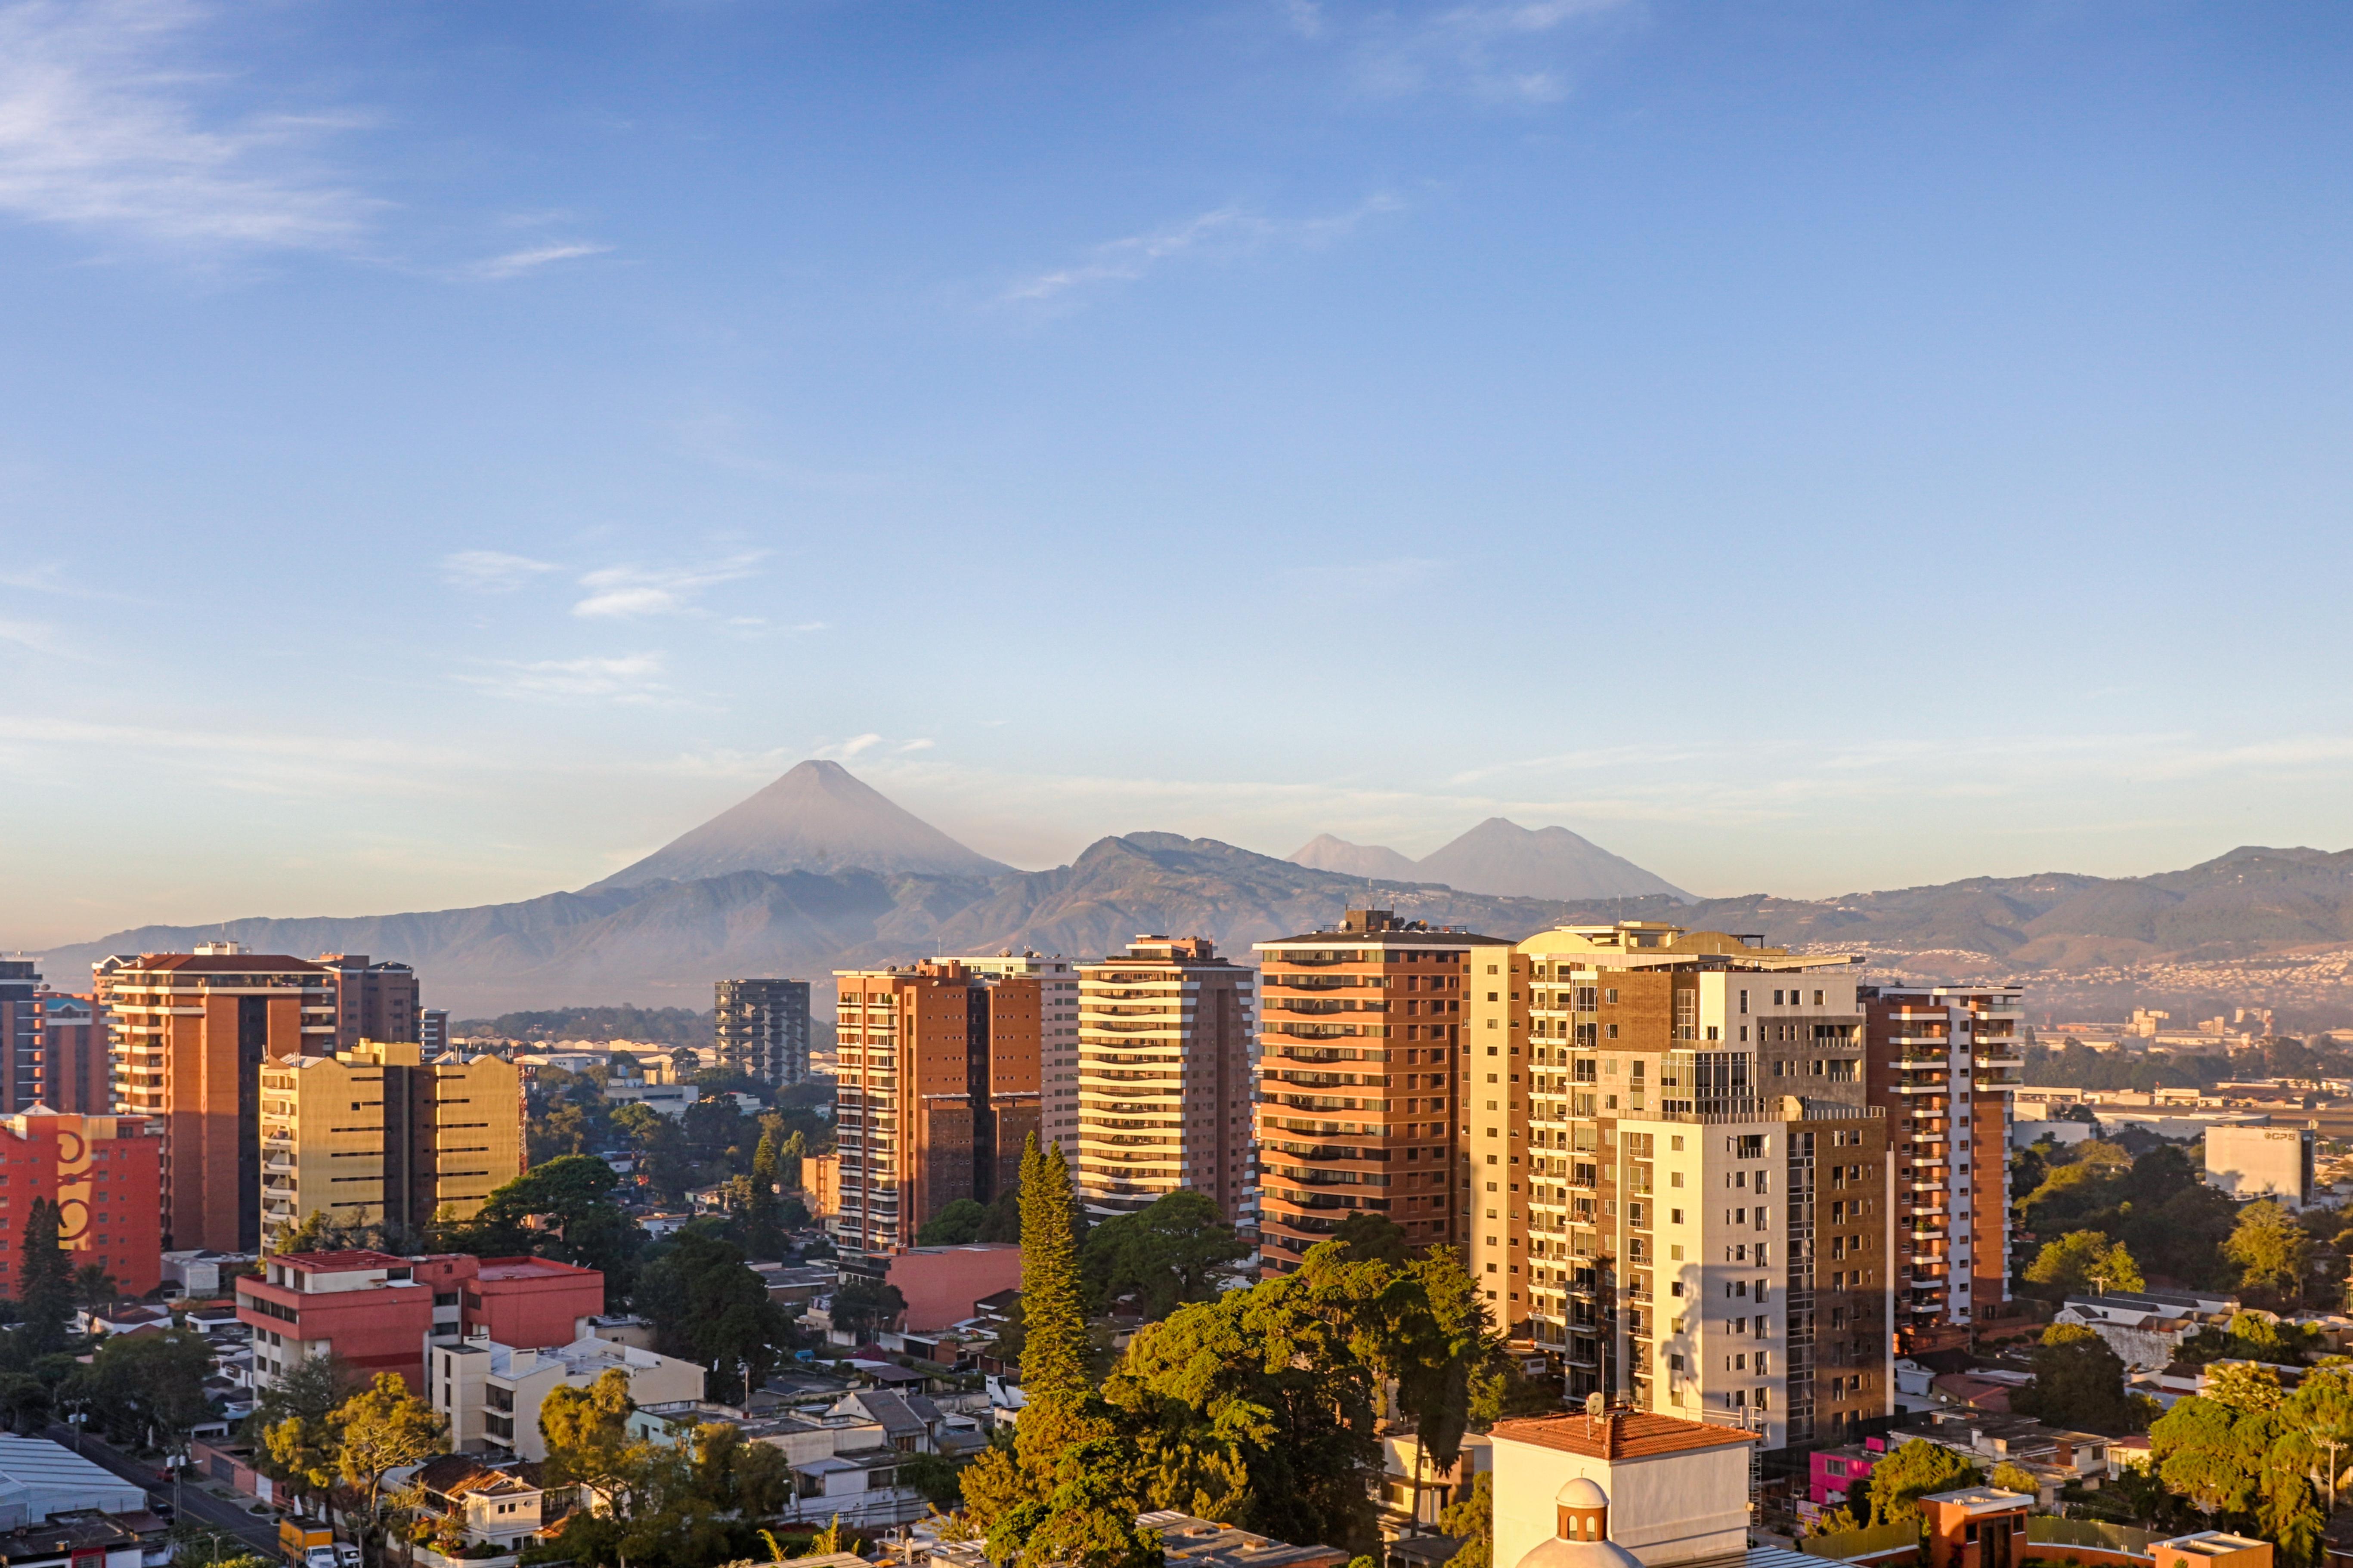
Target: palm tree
[94, 1289]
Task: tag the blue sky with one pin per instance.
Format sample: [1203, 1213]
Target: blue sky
[446, 450]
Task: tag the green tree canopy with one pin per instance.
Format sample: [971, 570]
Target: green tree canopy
[2079, 1383]
[382, 1428]
[2070, 1265]
[564, 1210]
[43, 1285]
[954, 1225]
[864, 1307]
[2272, 1252]
[1161, 1256]
[1910, 1472]
[149, 1389]
[709, 1307]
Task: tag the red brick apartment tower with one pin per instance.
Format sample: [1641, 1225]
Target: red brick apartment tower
[373, 1000]
[936, 1090]
[1944, 1061]
[188, 1034]
[1360, 1030]
[103, 1173]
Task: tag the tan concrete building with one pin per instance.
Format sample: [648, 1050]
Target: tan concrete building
[377, 1135]
[491, 1393]
[188, 1034]
[936, 1093]
[1164, 1077]
[1362, 1031]
[1678, 1192]
[1944, 1061]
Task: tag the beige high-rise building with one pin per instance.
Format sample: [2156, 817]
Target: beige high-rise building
[1361, 1031]
[376, 1134]
[1678, 1190]
[1164, 1077]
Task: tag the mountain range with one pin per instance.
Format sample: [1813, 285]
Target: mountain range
[793, 888]
[1499, 856]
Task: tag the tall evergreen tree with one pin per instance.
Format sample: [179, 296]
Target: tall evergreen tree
[1054, 1354]
[764, 1236]
[45, 1283]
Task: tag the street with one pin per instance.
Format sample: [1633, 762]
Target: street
[256, 1530]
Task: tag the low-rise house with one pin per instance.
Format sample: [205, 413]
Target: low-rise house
[1836, 1476]
[489, 1392]
[2052, 1455]
[909, 1421]
[1204, 1544]
[2146, 1328]
[1413, 1491]
[798, 1284]
[81, 1540]
[128, 1318]
[499, 1506]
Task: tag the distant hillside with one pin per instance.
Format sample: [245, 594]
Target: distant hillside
[1499, 856]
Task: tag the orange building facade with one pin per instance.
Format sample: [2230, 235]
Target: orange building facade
[103, 1173]
[1361, 1030]
[187, 1036]
[936, 1091]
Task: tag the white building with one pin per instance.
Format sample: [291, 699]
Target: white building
[489, 1392]
[2260, 1162]
[1670, 1491]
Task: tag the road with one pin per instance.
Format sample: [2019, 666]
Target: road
[256, 1530]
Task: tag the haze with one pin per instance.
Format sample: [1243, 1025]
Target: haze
[447, 452]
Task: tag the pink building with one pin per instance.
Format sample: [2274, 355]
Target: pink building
[1836, 1476]
[941, 1283]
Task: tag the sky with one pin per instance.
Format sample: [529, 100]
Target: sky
[445, 451]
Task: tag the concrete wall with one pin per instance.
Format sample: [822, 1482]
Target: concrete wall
[1667, 1508]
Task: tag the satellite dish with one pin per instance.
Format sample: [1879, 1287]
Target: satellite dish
[1595, 1405]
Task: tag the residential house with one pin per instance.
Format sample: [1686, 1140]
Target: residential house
[2052, 1455]
[502, 1506]
[2146, 1328]
[490, 1392]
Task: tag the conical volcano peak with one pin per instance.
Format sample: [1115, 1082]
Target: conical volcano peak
[819, 817]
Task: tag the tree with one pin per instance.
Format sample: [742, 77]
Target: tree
[2244, 1386]
[2073, 1264]
[2272, 1252]
[1910, 1472]
[2079, 1383]
[94, 1288]
[1055, 1349]
[2319, 1421]
[382, 1428]
[44, 1284]
[1368, 1237]
[150, 1388]
[2200, 1454]
[1161, 1256]
[588, 1442]
[708, 1307]
[25, 1402]
[862, 1306]
[938, 1479]
[954, 1225]
[2010, 1479]
[564, 1210]
[764, 1235]
[1472, 1518]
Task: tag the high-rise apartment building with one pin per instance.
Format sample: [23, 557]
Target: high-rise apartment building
[103, 1172]
[373, 1000]
[379, 1135]
[75, 1076]
[188, 1034]
[20, 1034]
[1677, 1190]
[761, 1027]
[1361, 1035]
[1164, 1077]
[433, 1030]
[1058, 1093]
[1945, 1062]
[936, 1093]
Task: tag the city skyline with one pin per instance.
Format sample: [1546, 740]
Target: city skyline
[447, 453]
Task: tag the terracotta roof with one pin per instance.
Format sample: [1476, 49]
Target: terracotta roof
[1624, 1435]
[229, 963]
[339, 1262]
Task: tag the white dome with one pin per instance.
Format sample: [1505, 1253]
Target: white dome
[1559, 1554]
[1582, 1493]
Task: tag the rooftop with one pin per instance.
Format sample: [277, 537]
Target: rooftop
[338, 1262]
[1621, 1435]
[497, 1268]
[1982, 1499]
[1185, 1539]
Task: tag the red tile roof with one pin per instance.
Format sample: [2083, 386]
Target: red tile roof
[228, 962]
[1622, 1435]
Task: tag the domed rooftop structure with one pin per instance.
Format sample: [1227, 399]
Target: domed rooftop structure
[1583, 1537]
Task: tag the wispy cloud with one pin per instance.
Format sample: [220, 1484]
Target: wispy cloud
[492, 571]
[516, 263]
[1509, 52]
[33, 636]
[627, 592]
[631, 677]
[843, 751]
[103, 128]
[1222, 232]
